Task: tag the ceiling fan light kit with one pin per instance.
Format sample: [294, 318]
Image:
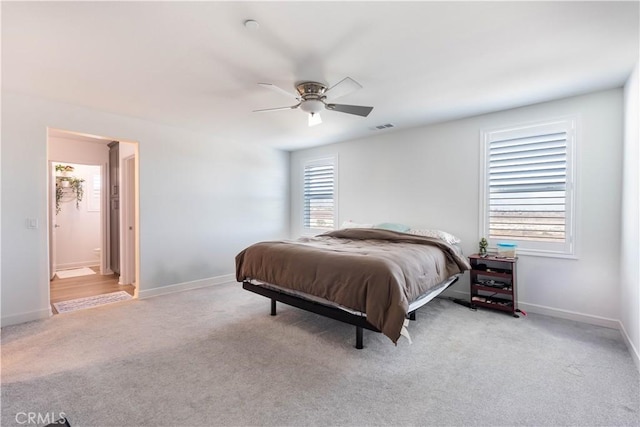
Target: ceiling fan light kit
[314, 119]
[312, 106]
[312, 98]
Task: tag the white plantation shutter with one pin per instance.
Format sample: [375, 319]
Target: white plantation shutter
[319, 200]
[95, 186]
[529, 186]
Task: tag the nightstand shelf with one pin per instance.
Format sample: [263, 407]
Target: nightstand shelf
[493, 283]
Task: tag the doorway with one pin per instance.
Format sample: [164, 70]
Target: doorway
[77, 236]
[81, 214]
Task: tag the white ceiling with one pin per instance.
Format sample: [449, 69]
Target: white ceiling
[194, 65]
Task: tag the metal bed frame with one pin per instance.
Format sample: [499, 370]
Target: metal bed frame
[360, 322]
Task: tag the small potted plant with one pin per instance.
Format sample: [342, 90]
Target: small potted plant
[64, 170]
[483, 244]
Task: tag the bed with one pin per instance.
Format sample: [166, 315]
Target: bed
[371, 278]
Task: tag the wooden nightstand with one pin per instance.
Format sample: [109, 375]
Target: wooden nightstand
[493, 283]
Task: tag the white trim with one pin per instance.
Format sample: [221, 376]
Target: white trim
[51, 238]
[51, 216]
[568, 123]
[531, 252]
[16, 319]
[28, 316]
[558, 313]
[570, 315]
[104, 221]
[333, 159]
[336, 191]
[635, 355]
[179, 287]
[78, 264]
[127, 221]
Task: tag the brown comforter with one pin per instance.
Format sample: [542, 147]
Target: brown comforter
[377, 272]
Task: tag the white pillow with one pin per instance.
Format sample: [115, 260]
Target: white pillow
[350, 224]
[438, 234]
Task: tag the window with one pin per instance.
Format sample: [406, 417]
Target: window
[95, 186]
[528, 187]
[319, 195]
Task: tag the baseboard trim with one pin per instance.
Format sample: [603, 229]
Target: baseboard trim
[558, 312]
[635, 355]
[570, 315]
[15, 319]
[79, 264]
[179, 287]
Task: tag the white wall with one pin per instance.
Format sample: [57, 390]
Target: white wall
[428, 177]
[79, 229]
[630, 235]
[202, 200]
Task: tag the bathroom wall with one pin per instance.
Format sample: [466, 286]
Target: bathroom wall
[79, 233]
[78, 224]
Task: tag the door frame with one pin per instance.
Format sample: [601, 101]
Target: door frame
[51, 223]
[128, 223]
[51, 207]
[104, 219]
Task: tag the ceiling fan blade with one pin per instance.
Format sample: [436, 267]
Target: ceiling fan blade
[314, 119]
[279, 90]
[358, 110]
[342, 88]
[266, 110]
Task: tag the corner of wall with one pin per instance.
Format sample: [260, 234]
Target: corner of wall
[630, 225]
[635, 354]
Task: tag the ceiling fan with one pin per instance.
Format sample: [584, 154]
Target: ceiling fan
[312, 99]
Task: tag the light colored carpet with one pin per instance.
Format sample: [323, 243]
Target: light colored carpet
[74, 272]
[215, 356]
[90, 302]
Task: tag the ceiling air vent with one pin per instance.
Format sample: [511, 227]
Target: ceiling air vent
[382, 127]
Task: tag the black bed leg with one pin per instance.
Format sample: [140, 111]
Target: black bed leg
[359, 334]
[412, 315]
[273, 307]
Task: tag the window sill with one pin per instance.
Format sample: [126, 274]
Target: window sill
[311, 233]
[545, 254]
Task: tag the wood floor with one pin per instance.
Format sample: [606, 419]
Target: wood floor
[85, 286]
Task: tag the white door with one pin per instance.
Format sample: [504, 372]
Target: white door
[127, 205]
[52, 220]
[131, 217]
